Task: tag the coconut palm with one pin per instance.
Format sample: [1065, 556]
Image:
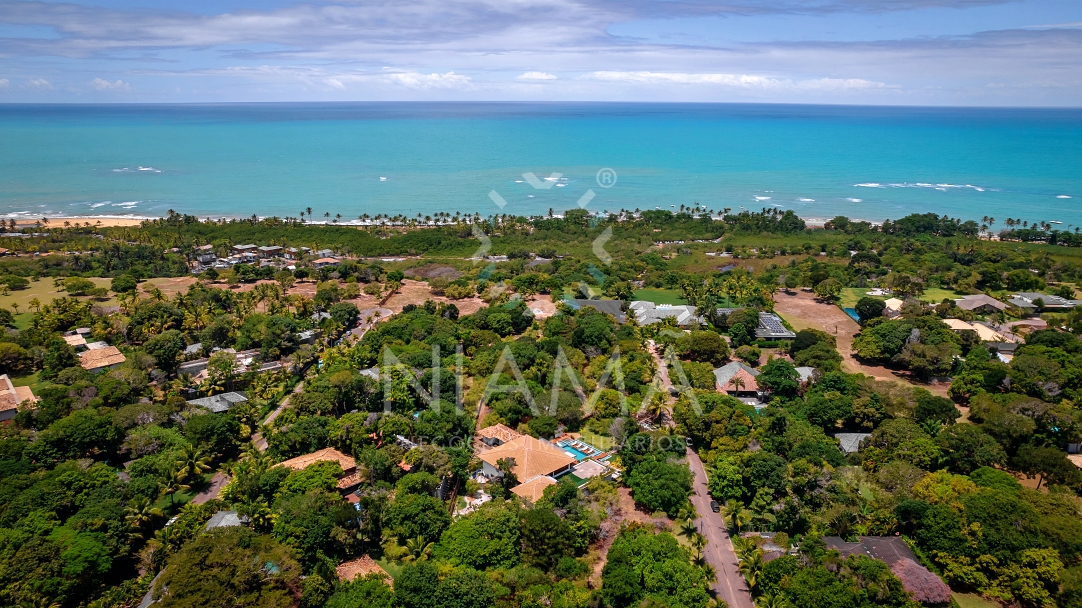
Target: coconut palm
[139, 513]
[418, 550]
[688, 529]
[752, 567]
[772, 601]
[173, 482]
[738, 516]
[192, 463]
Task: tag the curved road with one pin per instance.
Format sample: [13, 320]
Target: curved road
[730, 585]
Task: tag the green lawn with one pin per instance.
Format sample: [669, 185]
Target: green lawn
[44, 291]
[32, 381]
[598, 441]
[972, 600]
[849, 295]
[659, 296]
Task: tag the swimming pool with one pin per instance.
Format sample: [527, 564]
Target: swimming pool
[579, 450]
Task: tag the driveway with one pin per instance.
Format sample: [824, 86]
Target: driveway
[257, 438]
[730, 585]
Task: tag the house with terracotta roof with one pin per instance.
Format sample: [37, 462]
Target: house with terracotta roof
[98, 359]
[493, 436]
[737, 379]
[321, 262]
[11, 397]
[533, 458]
[76, 341]
[360, 568]
[534, 489]
[349, 480]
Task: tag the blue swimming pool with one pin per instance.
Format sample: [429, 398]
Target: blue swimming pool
[579, 450]
[852, 312]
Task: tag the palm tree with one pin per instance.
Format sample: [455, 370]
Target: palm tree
[139, 513]
[699, 542]
[418, 549]
[738, 383]
[772, 601]
[173, 482]
[738, 516]
[192, 463]
[688, 529]
[752, 567]
[35, 304]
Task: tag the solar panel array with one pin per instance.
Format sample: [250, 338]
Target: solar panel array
[772, 324]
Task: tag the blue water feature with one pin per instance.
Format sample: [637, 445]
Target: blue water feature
[407, 158]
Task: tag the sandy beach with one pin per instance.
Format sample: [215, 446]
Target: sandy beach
[105, 221]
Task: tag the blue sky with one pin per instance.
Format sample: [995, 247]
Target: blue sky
[905, 52]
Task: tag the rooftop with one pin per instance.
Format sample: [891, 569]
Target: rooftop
[225, 519]
[850, 442]
[11, 397]
[726, 373]
[609, 307]
[533, 457]
[349, 466]
[647, 313]
[99, 358]
[771, 326]
[219, 403]
[534, 489]
[495, 435]
[360, 568]
[977, 301]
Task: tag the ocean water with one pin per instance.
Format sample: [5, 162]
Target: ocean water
[236, 160]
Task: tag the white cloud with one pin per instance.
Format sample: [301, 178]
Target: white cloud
[38, 83]
[413, 80]
[3, 83]
[536, 76]
[104, 85]
[334, 83]
[743, 81]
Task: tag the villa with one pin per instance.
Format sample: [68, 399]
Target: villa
[648, 313]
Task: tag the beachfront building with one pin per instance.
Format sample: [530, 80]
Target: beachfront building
[648, 313]
[98, 359]
[980, 303]
[12, 397]
[349, 479]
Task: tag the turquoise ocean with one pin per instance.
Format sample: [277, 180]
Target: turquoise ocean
[236, 160]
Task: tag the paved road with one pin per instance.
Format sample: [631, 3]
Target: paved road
[216, 484]
[730, 585]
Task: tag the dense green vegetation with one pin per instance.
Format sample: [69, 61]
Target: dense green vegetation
[97, 480]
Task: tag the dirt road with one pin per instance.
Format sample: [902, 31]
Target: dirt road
[730, 585]
[257, 438]
[803, 311]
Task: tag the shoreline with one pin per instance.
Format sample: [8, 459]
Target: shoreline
[127, 221]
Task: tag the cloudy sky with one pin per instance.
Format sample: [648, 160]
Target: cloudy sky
[929, 52]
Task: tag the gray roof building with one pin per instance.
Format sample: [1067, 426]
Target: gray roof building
[850, 442]
[226, 519]
[647, 313]
[219, 403]
[980, 303]
[609, 307]
[726, 372]
[806, 374]
[1026, 300]
[771, 328]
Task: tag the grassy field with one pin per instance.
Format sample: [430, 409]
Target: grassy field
[598, 441]
[971, 600]
[850, 295]
[659, 296]
[44, 291]
[32, 381]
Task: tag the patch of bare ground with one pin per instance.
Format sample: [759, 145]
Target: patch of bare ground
[542, 303]
[625, 512]
[417, 292]
[804, 311]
